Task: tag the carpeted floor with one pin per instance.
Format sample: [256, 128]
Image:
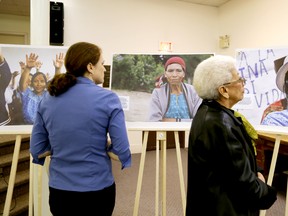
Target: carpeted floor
[126, 181]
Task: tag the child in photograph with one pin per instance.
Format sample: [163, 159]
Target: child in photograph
[32, 96]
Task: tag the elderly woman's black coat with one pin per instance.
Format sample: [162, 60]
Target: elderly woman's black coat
[222, 169]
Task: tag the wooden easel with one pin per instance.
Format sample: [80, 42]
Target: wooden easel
[18, 131]
[278, 131]
[161, 129]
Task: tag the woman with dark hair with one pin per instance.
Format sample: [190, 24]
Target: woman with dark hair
[72, 124]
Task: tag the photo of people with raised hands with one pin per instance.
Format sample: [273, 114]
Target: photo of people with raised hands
[25, 73]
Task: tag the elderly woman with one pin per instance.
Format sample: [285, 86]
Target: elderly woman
[222, 170]
[174, 100]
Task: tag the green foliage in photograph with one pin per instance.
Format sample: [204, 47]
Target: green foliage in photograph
[138, 72]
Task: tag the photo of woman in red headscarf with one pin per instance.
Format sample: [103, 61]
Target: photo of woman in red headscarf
[173, 100]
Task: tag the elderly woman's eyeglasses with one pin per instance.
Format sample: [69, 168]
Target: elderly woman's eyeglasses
[240, 80]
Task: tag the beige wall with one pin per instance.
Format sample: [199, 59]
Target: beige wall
[130, 26]
[254, 23]
[39, 22]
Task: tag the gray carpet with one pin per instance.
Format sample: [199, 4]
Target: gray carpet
[126, 181]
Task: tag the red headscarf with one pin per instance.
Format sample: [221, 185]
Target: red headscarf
[177, 60]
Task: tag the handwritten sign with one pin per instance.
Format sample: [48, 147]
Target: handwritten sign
[257, 67]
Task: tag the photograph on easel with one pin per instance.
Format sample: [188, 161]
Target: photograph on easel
[22, 90]
[139, 78]
[265, 98]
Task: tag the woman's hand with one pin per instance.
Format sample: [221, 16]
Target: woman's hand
[261, 177]
[38, 65]
[58, 62]
[31, 60]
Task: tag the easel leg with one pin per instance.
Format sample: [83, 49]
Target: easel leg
[157, 180]
[180, 169]
[274, 159]
[12, 176]
[39, 189]
[164, 156]
[160, 138]
[31, 194]
[286, 201]
[140, 174]
[273, 165]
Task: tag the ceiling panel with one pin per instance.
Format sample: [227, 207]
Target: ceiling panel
[214, 3]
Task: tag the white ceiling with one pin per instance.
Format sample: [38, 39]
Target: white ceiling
[22, 7]
[214, 3]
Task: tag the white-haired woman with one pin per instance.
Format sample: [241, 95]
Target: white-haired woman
[223, 178]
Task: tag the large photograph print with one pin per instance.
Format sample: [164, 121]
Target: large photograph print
[134, 76]
[265, 71]
[21, 91]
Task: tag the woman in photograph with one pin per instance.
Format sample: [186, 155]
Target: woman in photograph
[174, 100]
[33, 92]
[276, 114]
